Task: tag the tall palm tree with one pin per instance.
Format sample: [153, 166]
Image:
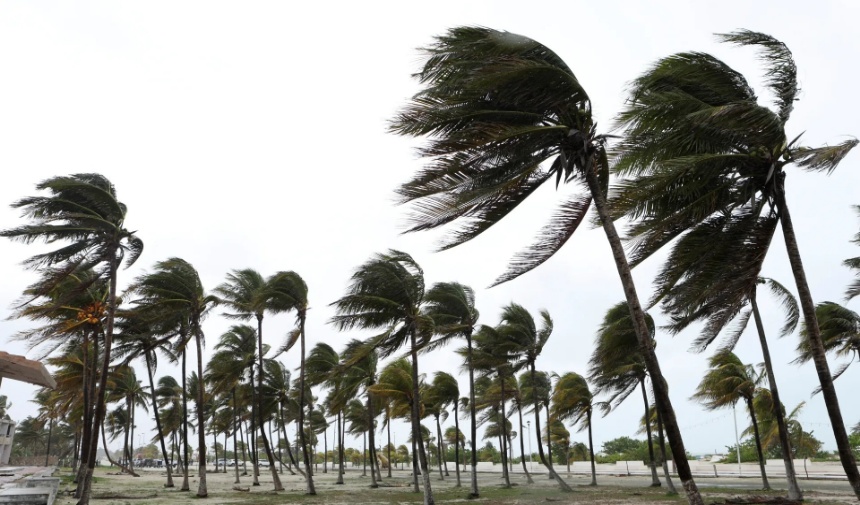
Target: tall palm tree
[82, 211]
[572, 401]
[175, 286]
[248, 294]
[527, 340]
[289, 292]
[387, 292]
[451, 305]
[726, 382]
[699, 148]
[617, 366]
[840, 333]
[495, 107]
[518, 401]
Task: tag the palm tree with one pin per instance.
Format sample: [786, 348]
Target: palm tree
[321, 368]
[387, 293]
[233, 361]
[518, 400]
[526, 342]
[495, 107]
[713, 277]
[726, 382]
[840, 333]
[395, 385]
[175, 286]
[492, 357]
[359, 376]
[572, 401]
[82, 210]
[249, 296]
[446, 392]
[137, 339]
[617, 367]
[451, 305]
[289, 292]
[700, 148]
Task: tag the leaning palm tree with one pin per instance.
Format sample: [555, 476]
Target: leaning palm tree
[710, 276]
[572, 401]
[289, 292]
[175, 286]
[726, 382]
[446, 392]
[248, 295]
[359, 377]
[321, 369]
[840, 333]
[700, 149]
[395, 386]
[387, 293]
[526, 340]
[138, 339]
[617, 367]
[503, 115]
[82, 211]
[451, 305]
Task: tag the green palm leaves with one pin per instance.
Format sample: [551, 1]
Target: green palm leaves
[494, 108]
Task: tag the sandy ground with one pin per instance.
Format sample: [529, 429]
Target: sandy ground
[112, 488]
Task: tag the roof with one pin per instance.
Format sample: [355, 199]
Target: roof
[22, 369]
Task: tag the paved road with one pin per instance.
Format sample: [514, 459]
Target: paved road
[829, 485]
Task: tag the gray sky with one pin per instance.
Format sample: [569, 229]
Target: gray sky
[253, 135]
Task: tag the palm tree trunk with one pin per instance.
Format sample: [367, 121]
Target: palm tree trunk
[125, 452]
[548, 463]
[655, 481]
[456, 444]
[474, 427]
[388, 447]
[185, 484]
[339, 450]
[244, 445]
[522, 444]
[310, 480]
[235, 429]
[289, 449]
[849, 464]
[276, 479]
[370, 436]
[794, 492]
[439, 446]
[157, 418]
[415, 470]
[87, 426]
[202, 491]
[416, 425]
[662, 446]
[761, 462]
[89, 408]
[591, 452]
[503, 427]
[215, 448]
[661, 393]
[325, 450]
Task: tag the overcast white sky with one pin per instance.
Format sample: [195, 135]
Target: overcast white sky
[253, 135]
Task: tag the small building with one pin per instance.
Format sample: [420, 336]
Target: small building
[21, 369]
